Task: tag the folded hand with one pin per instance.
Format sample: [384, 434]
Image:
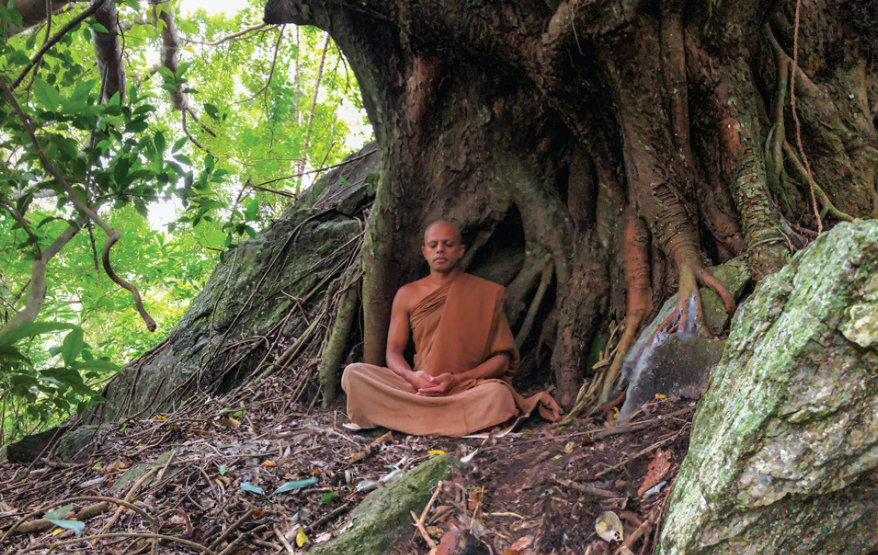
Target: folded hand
[442, 384]
[420, 380]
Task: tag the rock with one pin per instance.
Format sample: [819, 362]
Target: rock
[27, 449]
[784, 443]
[374, 522]
[679, 365]
[285, 260]
[676, 367]
[72, 443]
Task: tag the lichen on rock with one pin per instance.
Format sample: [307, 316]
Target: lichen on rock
[785, 440]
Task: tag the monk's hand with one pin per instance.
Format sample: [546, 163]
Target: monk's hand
[442, 384]
[420, 380]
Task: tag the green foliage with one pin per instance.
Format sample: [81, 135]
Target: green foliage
[49, 391]
[179, 191]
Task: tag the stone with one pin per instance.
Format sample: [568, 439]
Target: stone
[74, 441]
[375, 521]
[679, 365]
[27, 449]
[784, 443]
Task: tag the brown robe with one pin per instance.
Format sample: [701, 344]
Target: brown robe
[455, 328]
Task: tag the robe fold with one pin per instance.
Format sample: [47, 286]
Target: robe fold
[455, 329]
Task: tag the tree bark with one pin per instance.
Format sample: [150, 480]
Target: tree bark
[542, 130]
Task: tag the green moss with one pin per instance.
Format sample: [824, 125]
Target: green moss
[382, 512]
[788, 424]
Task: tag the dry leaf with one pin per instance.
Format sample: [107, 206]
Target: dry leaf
[519, 546]
[609, 527]
[324, 537]
[436, 452]
[269, 464]
[569, 447]
[657, 469]
[228, 422]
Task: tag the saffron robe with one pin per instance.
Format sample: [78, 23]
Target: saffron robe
[455, 329]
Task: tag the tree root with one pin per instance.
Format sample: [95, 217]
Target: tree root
[545, 280]
[334, 351]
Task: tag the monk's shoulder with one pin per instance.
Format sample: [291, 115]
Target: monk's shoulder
[488, 287]
[409, 294]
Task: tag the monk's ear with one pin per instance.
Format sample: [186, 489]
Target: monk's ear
[424, 252]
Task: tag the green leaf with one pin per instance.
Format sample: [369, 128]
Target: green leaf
[247, 486]
[58, 513]
[74, 525]
[121, 170]
[211, 110]
[97, 364]
[160, 141]
[328, 497]
[46, 94]
[33, 328]
[72, 346]
[179, 144]
[223, 469]
[99, 28]
[252, 212]
[297, 484]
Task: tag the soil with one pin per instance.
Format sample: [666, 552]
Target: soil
[537, 490]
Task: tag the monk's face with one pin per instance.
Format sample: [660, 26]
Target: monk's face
[442, 247]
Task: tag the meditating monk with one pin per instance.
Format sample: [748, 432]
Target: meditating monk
[465, 354]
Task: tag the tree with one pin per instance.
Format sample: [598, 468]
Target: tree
[616, 148]
[95, 135]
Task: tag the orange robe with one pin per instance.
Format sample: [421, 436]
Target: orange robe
[455, 329]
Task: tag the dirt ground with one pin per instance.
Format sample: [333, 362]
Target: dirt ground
[538, 490]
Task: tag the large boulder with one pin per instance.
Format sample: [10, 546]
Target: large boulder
[250, 293]
[785, 441]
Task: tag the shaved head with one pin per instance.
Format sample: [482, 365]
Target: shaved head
[443, 247]
[443, 224]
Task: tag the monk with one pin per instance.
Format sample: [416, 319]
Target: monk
[465, 354]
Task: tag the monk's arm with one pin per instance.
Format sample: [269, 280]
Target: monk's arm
[494, 367]
[397, 339]
[398, 336]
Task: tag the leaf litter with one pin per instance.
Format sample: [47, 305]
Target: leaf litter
[537, 490]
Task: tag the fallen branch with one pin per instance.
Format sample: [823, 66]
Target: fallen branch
[237, 524]
[42, 524]
[62, 502]
[144, 535]
[589, 489]
[423, 531]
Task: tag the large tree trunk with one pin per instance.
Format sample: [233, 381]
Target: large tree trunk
[550, 130]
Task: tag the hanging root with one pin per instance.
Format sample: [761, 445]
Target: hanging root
[637, 274]
[545, 280]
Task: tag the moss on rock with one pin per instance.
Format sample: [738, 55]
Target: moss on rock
[374, 522]
[785, 440]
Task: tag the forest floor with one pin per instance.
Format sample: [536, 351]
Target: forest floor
[202, 478]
